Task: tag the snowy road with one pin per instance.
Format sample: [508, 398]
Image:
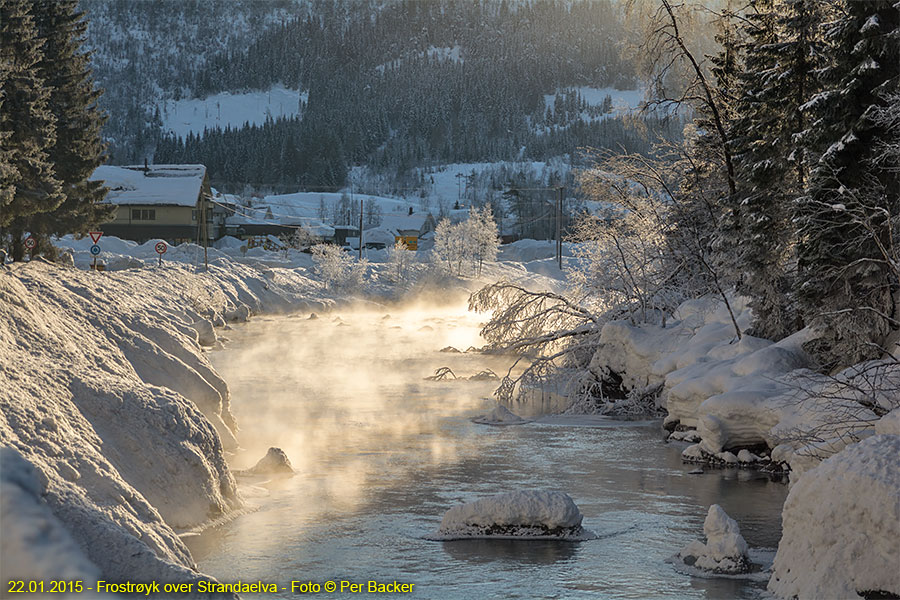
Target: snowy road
[381, 454]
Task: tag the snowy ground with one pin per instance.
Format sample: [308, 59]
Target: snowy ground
[100, 366]
[194, 115]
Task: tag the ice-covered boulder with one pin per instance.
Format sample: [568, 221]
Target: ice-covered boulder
[500, 416]
[275, 462]
[725, 551]
[522, 514]
[841, 525]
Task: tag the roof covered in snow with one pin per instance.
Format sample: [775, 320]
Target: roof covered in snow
[164, 185]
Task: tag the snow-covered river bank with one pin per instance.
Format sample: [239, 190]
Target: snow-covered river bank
[380, 454]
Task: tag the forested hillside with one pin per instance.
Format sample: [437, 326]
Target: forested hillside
[393, 85]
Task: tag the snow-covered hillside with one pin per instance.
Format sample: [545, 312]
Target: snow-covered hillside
[181, 117]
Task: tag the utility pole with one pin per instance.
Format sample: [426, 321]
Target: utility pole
[360, 227]
[559, 202]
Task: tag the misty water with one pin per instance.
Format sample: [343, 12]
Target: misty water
[381, 453]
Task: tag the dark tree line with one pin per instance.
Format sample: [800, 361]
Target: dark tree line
[49, 125]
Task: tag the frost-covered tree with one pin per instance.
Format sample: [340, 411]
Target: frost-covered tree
[471, 242]
[338, 269]
[399, 259]
[846, 276]
[483, 231]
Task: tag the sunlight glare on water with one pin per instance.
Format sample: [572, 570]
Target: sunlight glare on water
[381, 454]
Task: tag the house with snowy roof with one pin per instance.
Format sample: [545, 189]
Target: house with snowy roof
[408, 227]
[170, 202]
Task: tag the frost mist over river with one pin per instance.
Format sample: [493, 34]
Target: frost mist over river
[381, 454]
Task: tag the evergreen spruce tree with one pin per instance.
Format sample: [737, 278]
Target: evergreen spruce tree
[845, 279]
[78, 149]
[29, 185]
[781, 54]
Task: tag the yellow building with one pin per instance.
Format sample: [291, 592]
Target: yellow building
[169, 202]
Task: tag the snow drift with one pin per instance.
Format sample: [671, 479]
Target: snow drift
[112, 420]
[522, 514]
[841, 525]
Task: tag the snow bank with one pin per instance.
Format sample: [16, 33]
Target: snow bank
[725, 551]
[107, 395]
[522, 514]
[35, 546]
[841, 525]
[500, 416]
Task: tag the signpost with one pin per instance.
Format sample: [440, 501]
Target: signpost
[30, 243]
[95, 236]
[95, 250]
[161, 248]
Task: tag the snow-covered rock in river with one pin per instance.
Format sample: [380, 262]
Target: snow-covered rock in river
[522, 514]
[500, 416]
[841, 525]
[725, 551]
[275, 462]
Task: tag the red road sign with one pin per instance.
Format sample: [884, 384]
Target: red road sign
[161, 247]
[95, 235]
[30, 242]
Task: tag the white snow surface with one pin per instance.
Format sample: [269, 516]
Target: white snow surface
[740, 393]
[35, 545]
[106, 394]
[193, 115]
[526, 513]
[172, 185]
[725, 550]
[841, 525]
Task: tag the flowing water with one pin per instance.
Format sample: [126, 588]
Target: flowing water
[381, 453]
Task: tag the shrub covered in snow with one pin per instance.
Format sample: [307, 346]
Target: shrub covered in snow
[526, 514]
[725, 551]
[841, 525]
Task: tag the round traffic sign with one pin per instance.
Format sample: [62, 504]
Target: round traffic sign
[30, 242]
[161, 247]
[95, 249]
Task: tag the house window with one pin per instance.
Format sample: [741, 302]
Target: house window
[143, 214]
[194, 216]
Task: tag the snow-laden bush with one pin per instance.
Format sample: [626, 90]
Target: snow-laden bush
[338, 269]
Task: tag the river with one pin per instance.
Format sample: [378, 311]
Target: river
[381, 453]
